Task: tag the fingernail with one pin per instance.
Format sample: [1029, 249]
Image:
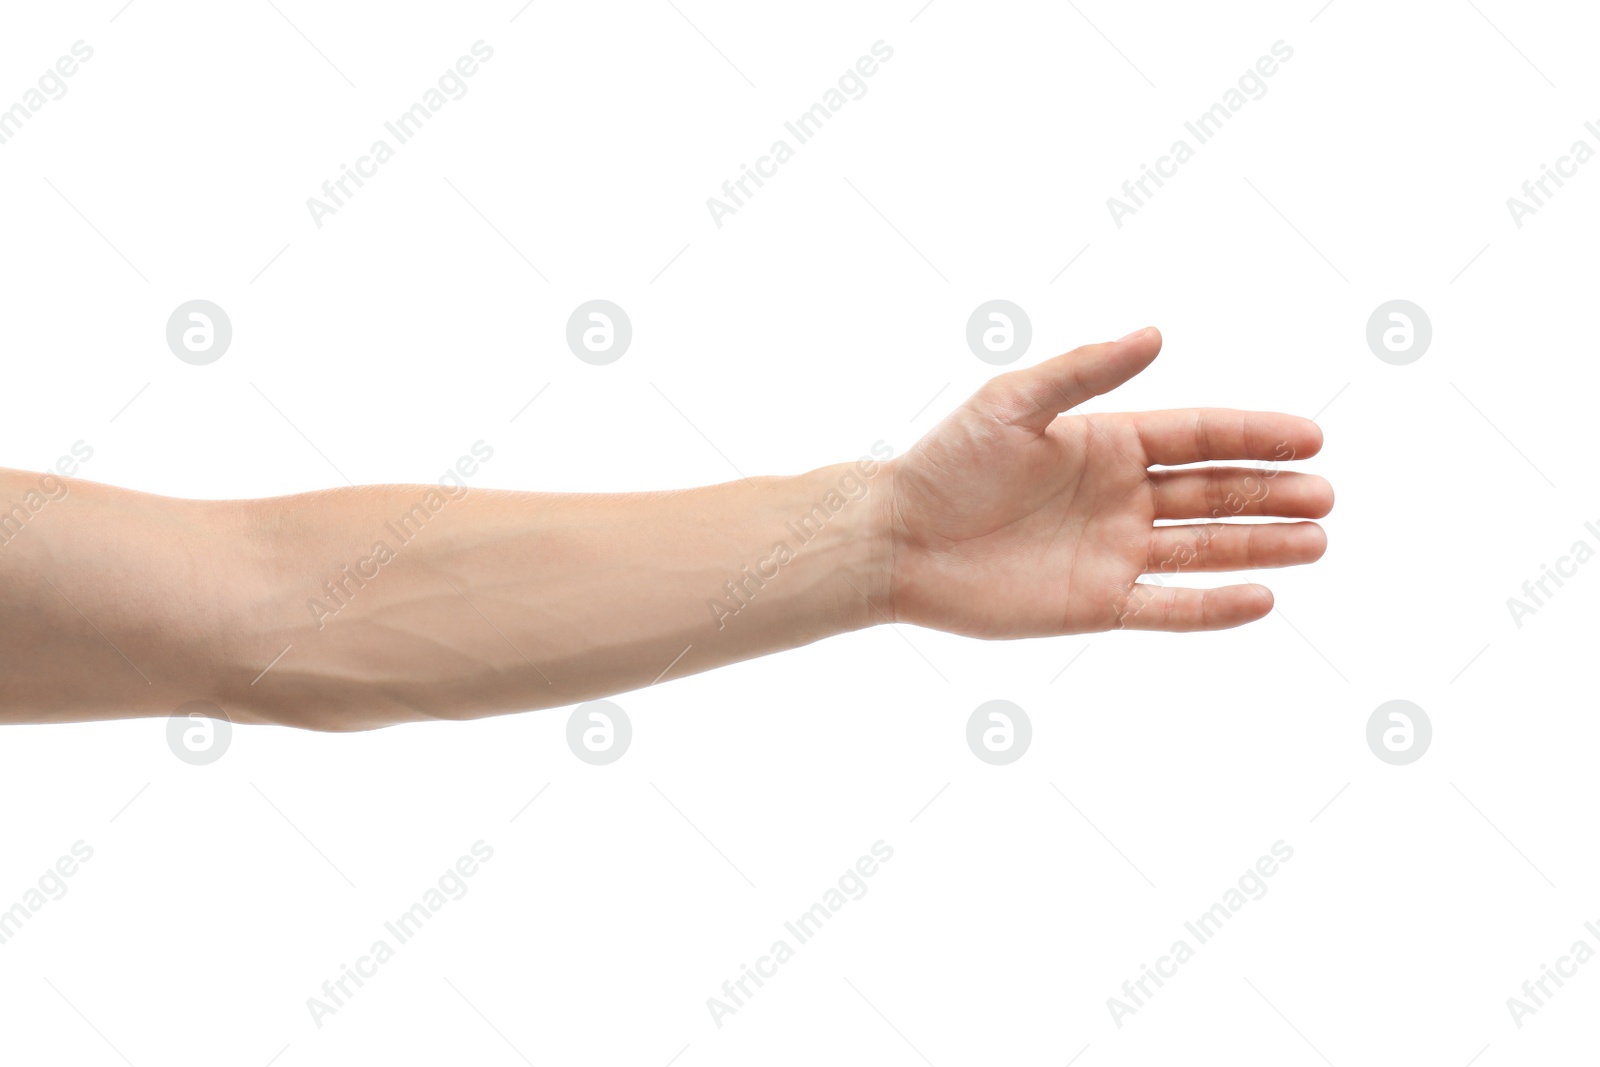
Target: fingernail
[1135, 333]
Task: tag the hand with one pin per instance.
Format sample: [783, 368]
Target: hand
[1009, 521]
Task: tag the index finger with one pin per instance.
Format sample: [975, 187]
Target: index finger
[1194, 435]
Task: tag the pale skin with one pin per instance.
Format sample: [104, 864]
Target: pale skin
[1009, 519]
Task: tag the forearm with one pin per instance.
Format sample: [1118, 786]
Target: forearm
[354, 608]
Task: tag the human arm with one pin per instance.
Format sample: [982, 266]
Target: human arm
[1004, 521]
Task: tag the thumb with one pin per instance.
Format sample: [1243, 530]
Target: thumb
[1033, 397]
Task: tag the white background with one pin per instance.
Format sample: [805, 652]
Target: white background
[824, 315]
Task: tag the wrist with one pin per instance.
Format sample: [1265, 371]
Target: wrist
[858, 496]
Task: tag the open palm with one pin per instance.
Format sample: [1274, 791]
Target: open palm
[1011, 520]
